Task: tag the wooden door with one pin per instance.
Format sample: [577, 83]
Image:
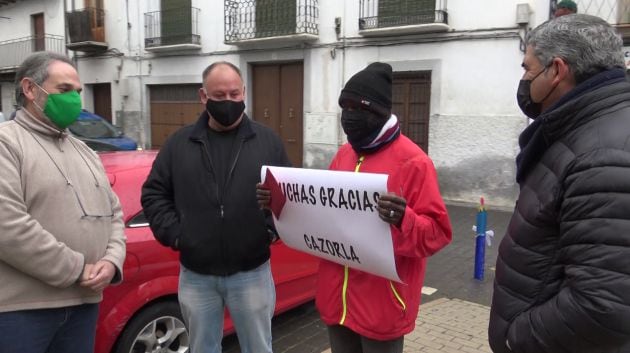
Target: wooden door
[97, 19]
[278, 103]
[39, 39]
[97, 4]
[411, 97]
[172, 107]
[102, 93]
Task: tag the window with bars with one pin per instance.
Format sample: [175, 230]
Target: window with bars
[404, 12]
[394, 13]
[250, 19]
[275, 16]
[616, 12]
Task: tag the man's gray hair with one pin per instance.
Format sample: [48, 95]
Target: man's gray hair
[588, 44]
[36, 68]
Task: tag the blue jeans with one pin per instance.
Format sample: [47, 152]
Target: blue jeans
[61, 330]
[250, 298]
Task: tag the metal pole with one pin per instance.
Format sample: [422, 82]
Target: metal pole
[480, 241]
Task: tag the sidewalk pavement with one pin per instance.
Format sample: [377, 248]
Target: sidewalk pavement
[449, 326]
[452, 319]
[451, 270]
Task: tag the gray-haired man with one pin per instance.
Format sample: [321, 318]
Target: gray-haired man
[563, 271]
[61, 228]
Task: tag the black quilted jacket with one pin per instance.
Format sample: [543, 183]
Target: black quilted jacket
[563, 272]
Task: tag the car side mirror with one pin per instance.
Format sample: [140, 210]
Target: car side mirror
[118, 130]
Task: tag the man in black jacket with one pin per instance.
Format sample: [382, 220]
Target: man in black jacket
[200, 199]
[563, 272]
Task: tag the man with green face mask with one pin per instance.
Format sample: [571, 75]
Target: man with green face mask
[61, 227]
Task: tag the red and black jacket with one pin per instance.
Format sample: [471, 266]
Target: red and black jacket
[373, 306]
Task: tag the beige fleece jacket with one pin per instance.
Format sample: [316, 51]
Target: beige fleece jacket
[57, 212]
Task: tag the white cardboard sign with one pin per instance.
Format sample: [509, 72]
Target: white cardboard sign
[333, 215]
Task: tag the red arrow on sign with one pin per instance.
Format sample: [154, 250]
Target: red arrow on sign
[278, 199]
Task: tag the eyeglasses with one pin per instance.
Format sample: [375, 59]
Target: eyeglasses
[80, 203]
[74, 191]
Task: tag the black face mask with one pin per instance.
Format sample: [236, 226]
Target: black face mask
[225, 112]
[361, 126]
[524, 98]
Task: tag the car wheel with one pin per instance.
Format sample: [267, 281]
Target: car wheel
[157, 329]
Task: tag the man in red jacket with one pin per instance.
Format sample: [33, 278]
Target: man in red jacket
[367, 313]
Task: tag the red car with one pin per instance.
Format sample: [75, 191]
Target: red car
[142, 314]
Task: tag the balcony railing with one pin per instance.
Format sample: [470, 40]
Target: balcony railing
[7, 2]
[375, 14]
[13, 52]
[86, 29]
[257, 19]
[173, 27]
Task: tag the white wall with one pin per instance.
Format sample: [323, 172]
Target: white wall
[7, 96]
[19, 25]
[474, 119]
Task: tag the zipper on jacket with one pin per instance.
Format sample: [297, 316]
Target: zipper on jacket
[221, 193]
[216, 183]
[231, 172]
[229, 177]
[346, 269]
[359, 162]
[59, 140]
[219, 196]
[344, 289]
[398, 297]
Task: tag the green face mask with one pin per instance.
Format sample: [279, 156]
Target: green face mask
[62, 109]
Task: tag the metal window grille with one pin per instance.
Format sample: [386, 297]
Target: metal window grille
[394, 13]
[250, 19]
[13, 52]
[171, 27]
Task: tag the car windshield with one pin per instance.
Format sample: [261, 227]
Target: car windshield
[93, 129]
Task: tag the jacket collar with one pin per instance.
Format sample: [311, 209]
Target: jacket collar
[200, 129]
[581, 104]
[31, 123]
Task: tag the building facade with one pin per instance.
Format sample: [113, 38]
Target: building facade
[457, 67]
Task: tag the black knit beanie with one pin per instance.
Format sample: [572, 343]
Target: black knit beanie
[371, 89]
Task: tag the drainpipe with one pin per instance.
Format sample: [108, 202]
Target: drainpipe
[66, 29]
[128, 28]
[343, 65]
[144, 121]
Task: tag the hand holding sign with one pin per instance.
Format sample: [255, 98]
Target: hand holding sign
[334, 215]
[391, 208]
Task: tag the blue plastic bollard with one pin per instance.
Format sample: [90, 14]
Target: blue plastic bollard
[480, 241]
